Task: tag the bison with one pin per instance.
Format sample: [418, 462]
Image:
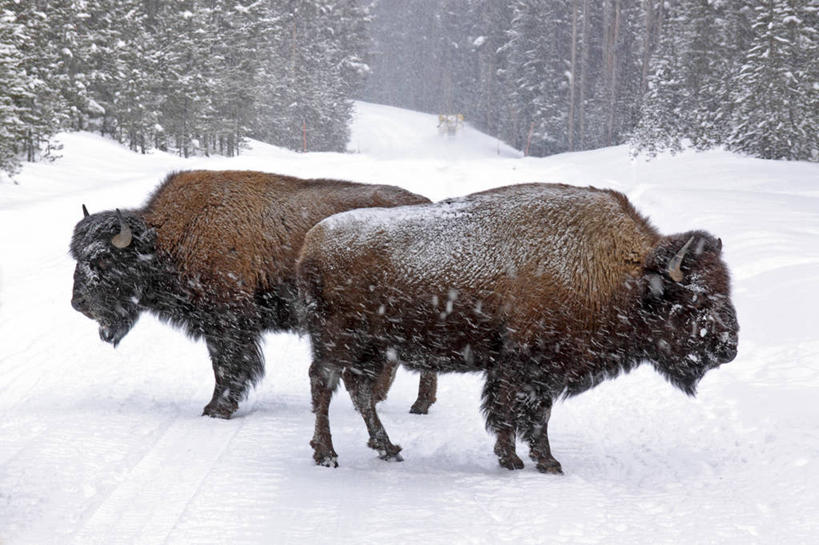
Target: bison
[546, 289]
[214, 253]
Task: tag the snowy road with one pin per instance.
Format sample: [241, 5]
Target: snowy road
[106, 446]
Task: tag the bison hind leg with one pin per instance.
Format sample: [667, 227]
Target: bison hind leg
[323, 382]
[360, 387]
[427, 388]
[538, 437]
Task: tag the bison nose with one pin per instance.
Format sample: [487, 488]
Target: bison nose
[730, 353]
[78, 302]
[727, 351]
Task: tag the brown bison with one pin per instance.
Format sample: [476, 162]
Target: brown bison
[214, 253]
[547, 289]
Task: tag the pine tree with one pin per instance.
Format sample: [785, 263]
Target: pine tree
[778, 115]
[42, 108]
[14, 90]
[314, 66]
[664, 122]
[539, 42]
[490, 106]
[687, 96]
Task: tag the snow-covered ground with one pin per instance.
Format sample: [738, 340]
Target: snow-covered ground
[107, 446]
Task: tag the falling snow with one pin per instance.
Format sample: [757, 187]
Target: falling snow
[107, 446]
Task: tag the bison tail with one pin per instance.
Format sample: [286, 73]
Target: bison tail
[309, 303]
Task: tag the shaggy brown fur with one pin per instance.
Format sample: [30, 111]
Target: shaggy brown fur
[548, 289]
[213, 252]
[241, 231]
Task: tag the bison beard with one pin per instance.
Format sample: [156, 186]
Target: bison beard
[212, 252]
[546, 289]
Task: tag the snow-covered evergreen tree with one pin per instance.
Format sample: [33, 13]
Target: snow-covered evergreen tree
[687, 94]
[739, 73]
[490, 106]
[42, 108]
[15, 85]
[778, 87]
[190, 76]
[312, 66]
[665, 121]
[198, 76]
[536, 78]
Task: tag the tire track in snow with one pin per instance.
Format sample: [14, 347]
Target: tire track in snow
[147, 505]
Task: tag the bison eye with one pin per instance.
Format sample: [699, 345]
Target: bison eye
[102, 263]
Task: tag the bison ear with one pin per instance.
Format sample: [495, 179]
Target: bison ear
[124, 237]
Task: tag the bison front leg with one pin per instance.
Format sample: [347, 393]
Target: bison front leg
[220, 405]
[323, 381]
[498, 397]
[360, 388]
[427, 388]
[237, 364]
[538, 437]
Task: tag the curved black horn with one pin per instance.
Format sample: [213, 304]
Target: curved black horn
[85, 213]
[124, 237]
[674, 270]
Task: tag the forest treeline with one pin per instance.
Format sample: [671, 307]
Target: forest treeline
[188, 76]
[545, 76]
[563, 75]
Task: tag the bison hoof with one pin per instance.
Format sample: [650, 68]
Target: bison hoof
[324, 456]
[511, 462]
[219, 411]
[326, 461]
[391, 457]
[420, 407]
[550, 466]
[388, 453]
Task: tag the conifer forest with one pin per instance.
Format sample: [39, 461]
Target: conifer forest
[198, 77]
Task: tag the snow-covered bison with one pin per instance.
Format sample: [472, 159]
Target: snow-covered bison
[547, 289]
[213, 252]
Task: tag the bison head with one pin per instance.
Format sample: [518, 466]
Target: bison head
[687, 306]
[113, 251]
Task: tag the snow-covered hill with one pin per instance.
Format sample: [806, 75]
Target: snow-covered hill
[107, 446]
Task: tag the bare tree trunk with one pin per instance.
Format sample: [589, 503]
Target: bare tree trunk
[573, 77]
[293, 50]
[612, 63]
[648, 8]
[584, 61]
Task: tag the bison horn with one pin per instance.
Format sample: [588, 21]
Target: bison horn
[124, 237]
[674, 270]
[85, 213]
